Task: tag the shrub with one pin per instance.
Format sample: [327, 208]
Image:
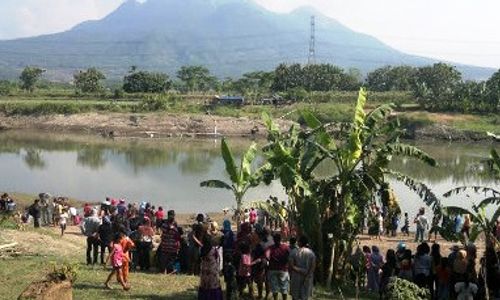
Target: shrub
[400, 289]
[65, 272]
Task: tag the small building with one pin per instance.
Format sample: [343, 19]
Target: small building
[228, 100]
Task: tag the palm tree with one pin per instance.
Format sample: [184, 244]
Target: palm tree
[242, 177]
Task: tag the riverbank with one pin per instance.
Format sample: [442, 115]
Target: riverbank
[418, 125]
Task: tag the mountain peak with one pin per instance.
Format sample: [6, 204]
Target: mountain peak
[230, 37]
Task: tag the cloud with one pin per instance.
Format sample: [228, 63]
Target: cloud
[22, 18]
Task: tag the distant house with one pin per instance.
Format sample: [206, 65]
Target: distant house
[228, 100]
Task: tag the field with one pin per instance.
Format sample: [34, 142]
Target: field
[327, 106]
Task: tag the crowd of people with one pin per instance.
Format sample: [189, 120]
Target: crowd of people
[252, 255]
[455, 276]
[259, 256]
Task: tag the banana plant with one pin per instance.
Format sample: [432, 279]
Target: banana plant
[242, 177]
[333, 205]
[482, 224]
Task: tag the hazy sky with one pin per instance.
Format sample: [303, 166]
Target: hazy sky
[464, 31]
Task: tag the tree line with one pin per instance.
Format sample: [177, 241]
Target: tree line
[437, 87]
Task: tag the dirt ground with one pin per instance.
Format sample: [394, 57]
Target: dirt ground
[141, 125]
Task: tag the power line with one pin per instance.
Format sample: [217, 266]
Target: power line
[312, 43]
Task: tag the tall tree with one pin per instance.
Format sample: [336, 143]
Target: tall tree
[196, 78]
[89, 81]
[29, 77]
[435, 85]
[146, 82]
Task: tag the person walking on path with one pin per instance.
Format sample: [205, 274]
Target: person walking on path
[302, 264]
[90, 228]
[278, 257]
[63, 220]
[117, 258]
[127, 245]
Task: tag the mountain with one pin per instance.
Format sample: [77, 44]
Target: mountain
[230, 37]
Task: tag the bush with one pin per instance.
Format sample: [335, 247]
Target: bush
[400, 289]
[65, 272]
[157, 102]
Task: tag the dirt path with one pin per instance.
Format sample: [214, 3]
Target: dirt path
[141, 125]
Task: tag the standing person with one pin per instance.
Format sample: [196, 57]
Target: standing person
[72, 214]
[406, 228]
[45, 208]
[302, 265]
[245, 270]
[145, 244]
[443, 280]
[466, 228]
[105, 237]
[394, 224]
[436, 262]
[159, 215]
[116, 257]
[278, 276]
[259, 268]
[422, 266]
[422, 225]
[406, 266]
[35, 212]
[63, 220]
[377, 261]
[253, 216]
[380, 220]
[170, 243]
[388, 270]
[210, 287]
[90, 228]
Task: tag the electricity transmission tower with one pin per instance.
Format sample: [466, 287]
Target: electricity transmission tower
[312, 43]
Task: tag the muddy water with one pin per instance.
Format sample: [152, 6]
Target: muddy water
[168, 172]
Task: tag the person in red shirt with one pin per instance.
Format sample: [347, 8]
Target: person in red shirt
[253, 216]
[159, 215]
[278, 276]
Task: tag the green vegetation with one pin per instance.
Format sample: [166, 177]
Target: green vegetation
[89, 81]
[29, 78]
[145, 82]
[332, 205]
[242, 178]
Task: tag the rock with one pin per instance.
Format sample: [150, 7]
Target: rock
[48, 290]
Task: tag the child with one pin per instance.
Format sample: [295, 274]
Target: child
[245, 270]
[63, 219]
[116, 256]
[406, 228]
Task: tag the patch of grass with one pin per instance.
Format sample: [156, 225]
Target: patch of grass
[478, 123]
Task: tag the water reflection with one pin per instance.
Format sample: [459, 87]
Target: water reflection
[33, 159]
[168, 171]
[91, 156]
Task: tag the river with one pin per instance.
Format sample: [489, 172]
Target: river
[167, 172]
